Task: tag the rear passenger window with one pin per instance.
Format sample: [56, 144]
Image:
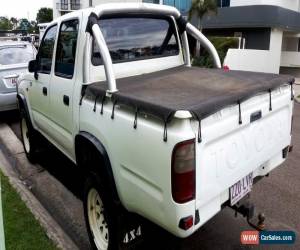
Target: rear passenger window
[46, 51]
[137, 38]
[66, 49]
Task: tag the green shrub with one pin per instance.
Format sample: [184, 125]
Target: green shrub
[222, 44]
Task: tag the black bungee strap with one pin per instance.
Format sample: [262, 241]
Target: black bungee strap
[102, 103]
[95, 103]
[199, 132]
[82, 94]
[270, 100]
[240, 113]
[199, 127]
[165, 131]
[113, 110]
[135, 118]
[292, 92]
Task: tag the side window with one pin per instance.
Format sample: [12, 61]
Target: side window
[46, 51]
[66, 49]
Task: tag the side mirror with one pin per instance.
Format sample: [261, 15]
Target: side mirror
[32, 66]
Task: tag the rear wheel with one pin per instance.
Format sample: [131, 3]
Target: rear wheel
[100, 216]
[28, 137]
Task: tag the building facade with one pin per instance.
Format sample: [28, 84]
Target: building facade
[270, 30]
[61, 7]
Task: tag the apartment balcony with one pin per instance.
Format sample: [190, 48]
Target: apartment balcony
[68, 6]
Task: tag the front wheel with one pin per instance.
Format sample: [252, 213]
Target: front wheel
[28, 137]
[99, 216]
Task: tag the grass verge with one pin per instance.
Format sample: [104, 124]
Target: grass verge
[22, 230]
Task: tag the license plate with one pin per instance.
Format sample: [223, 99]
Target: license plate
[13, 81]
[240, 189]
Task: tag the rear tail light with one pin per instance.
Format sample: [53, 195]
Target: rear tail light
[183, 171]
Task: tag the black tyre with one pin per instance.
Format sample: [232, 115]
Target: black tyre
[100, 215]
[29, 137]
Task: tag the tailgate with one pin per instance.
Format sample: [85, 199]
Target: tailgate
[230, 151]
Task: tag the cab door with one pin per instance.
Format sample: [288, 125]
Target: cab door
[62, 84]
[39, 84]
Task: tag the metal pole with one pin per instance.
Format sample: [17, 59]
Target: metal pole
[2, 238]
[108, 66]
[186, 49]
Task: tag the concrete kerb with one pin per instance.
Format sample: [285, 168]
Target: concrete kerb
[14, 149]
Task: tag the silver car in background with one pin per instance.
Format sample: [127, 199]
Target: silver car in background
[14, 58]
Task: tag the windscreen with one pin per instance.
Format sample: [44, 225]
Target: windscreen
[137, 38]
[16, 54]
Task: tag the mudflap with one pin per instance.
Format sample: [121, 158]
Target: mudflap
[131, 234]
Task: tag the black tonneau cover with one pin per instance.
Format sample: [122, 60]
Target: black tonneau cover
[198, 90]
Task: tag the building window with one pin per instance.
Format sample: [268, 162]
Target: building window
[151, 1]
[63, 5]
[223, 3]
[75, 4]
[182, 5]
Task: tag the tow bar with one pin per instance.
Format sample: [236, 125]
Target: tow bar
[247, 210]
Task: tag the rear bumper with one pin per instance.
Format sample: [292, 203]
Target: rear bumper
[8, 101]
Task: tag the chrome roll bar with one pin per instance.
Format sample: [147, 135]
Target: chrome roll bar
[141, 8]
[108, 66]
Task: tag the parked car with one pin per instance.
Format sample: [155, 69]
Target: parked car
[14, 58]
[153, 135]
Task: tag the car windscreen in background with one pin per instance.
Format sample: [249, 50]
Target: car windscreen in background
[137, 38]
[16, 54]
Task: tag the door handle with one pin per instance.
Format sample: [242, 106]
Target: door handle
[66, 100]
[45, 91]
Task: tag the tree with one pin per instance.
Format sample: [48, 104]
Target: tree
[14, 22]
[33, 27]
[44, 15]
[5, 23]
[200, 8]
[24, 24]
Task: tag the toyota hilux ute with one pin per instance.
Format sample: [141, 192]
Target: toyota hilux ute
[112, 87]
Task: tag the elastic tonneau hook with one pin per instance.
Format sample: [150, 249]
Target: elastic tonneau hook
[95, 103]
[102, 103]
[270, 105]
[165, 131]
[292, 92]
[135, 118]
[80, 102]
[240, 113]
[113, 110]
[199, 131]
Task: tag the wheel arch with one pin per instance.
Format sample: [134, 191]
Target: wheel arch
[23, 105]
[85, 139]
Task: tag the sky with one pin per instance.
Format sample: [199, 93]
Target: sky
[23, 8]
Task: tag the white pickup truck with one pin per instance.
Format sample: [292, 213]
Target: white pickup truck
[112, 87]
